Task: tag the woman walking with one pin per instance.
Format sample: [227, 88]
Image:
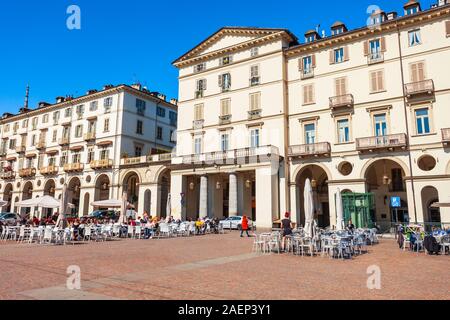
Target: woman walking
[244, 226]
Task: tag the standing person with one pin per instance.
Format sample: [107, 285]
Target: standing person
[350, 226]
[286, 226]
[244, 227]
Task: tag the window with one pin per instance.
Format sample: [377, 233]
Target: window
[337, 31]
[107, 104]
[411, 10]
[225, 107]
[310, 133]
[51, 161]
[140, 107]
[104, 154]
[254, 52]
[200, 87]
[92, 127]
[45, 118]
[34, 123]
[173, 118]
[80, 111]
[172, 136]
[90, 155]
[310, 38]
[138, 151]
[422, 121]
[343, 128]
[159, 133]
[15, 127]
[93, 106]
[199, 67]
[254, 75]
[226, 60]
[66, 132]
[225, 81]
[25, 123]
[417, 71]
[377, 81]
[380, 125]
[198, 145]
[254, 138]
[33, 139]
[308, 94]
[76, 157]
[340, 86]
[198, 112]
[339, 55]
[68, 113]
[106, 125]
[397, 180]
[56, 117]
[224, 146]
[307, 65]
[12, 144]
[54, 135]
[139, 127]
[78, 131]
[161, 112]
[63, 159]
[7, 127]
[255, 101]
[414, 38]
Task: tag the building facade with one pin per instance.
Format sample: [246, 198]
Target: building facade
[99, 145]
[363, 111]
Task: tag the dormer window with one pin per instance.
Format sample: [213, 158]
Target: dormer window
[310, 38]
[199, 67]
[226, 60]
[337, 31]
[411, 11]
[377, 17]
[338, 28]
[412, 7]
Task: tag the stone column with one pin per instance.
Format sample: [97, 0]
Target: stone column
[203, 211]
[233, 199]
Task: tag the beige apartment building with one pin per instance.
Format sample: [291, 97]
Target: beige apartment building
[363, 111]
[99, 145]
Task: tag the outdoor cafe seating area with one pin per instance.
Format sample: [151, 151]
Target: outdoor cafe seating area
[414, 238]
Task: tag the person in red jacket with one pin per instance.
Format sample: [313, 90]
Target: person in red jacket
[244, 226]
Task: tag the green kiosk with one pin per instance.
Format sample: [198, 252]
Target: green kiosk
[360, 208]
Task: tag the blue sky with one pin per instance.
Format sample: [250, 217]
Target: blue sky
[136, 40]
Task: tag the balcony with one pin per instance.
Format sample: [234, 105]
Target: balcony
[321, 149]
[419, 90]
[224, 120]
[41, 145]
[146, 159]
[344, 101]
[376, 57]
[198, 94]
[49, 171]
[90, 136]
[446, 137]
[307, 74]
[27, 173]
[233, 157]
[254, 81]
[73, 167]
[254, 114]
[64, 141]
[101, 164]
[198, 124]
[21, 149]
[7, 175]
[389, 142]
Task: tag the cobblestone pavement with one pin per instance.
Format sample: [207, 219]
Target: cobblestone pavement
[218, 267]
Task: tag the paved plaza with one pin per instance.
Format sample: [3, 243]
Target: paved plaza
[214, 267]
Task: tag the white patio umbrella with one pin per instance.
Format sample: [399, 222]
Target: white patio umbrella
[339, 211]
[62, 217]
[169, 206]
[111, 203]
[309, 208]
[42, 202]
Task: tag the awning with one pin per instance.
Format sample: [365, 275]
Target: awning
[76, 148]
[104, 143]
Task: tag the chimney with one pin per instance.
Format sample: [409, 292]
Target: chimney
[162, 96]
[60, 99]
[108, 86]
[43, 104]
[92, 91]
[174, 101]
[137, 86]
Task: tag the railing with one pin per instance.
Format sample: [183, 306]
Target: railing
[147, 159]
[64, 141]
[101, 164]
[198, 124]
[254, 81]
[41, 145]
[73, 167]
[27, 172]
[254, 114]
[7, 175]
[446, 135]
[21, 149]
[307, 73]
[375, 57]
[308, 150]
[89, 136]
[389, 142]
[198, 94]
[50, 170]
[345, 100]
[230, 156]
[224, 119]
[420, 87]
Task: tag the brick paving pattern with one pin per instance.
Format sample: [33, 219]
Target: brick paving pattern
[217, 267]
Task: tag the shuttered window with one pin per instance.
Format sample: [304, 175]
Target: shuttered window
[198, 112]
[377, 81]
[308, 94]
[201, 85]
[340, 86]
[447, 28]
[255, 101]
[225, 107]
[417, 71]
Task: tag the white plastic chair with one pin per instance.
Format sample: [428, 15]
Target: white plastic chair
[21, 236]
[164, 230]
[87, 233]
[48, 235]
[130, 231]
[137, 232]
